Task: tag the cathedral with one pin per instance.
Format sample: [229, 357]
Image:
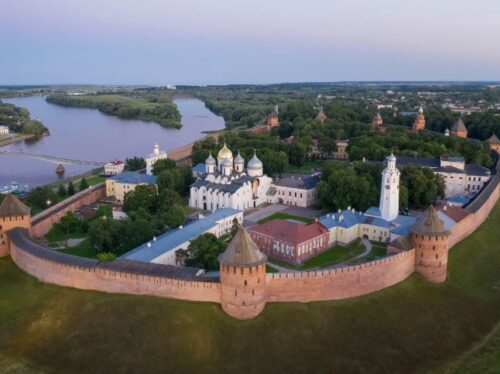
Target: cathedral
[227, 183]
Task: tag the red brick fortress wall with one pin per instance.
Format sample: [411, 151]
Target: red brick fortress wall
[43, 222]
[480, 208]
[342, 282]
[70, 271]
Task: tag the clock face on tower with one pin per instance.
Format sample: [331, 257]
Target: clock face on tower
[387, 187]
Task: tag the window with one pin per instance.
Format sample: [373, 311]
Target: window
[245, 282]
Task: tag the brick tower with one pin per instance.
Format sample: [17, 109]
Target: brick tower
[459, 129]
[431, 246]
[13, 213]
[419, 123]
[377, 121]
[243, 277]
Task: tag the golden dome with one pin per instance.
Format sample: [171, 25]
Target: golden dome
[225, 152]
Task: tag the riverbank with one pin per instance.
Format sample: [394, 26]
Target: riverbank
[89, 135]
[16, 138]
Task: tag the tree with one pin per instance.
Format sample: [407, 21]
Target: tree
[165, 164]
[61, 191]
[135, 163]
[42, 197]
[168, 198]
[174, 216]
[71, 189]
[144, 196]
[105, 235]
[234, 228]
[83, 184]
[204, 251]
[297, 153]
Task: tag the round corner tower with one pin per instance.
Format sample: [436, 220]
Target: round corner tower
[431, 246]
[243, 277]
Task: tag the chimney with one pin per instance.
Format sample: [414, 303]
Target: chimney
[149, 244]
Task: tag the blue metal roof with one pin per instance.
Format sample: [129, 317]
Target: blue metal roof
[459, 199]
[349, 219]
[172, 239]
[373, 211]
[199, 168]
[401, 230]
[134, 177]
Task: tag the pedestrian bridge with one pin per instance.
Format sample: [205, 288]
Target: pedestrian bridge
[53, 159]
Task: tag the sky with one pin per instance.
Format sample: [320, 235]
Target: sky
[157, 42]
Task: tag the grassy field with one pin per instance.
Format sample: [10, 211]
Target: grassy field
[84, 249]
[335, 255]
[332, 256]
[413, 327]
[284, 216]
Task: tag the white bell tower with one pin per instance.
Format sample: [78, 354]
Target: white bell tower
[389, 194]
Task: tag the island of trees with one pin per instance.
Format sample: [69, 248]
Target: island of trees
[151, 105]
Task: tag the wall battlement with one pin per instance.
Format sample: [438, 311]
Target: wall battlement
[131, 277]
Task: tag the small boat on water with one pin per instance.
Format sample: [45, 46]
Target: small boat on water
[15, 188]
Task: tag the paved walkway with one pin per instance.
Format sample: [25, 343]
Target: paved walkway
[368, 246]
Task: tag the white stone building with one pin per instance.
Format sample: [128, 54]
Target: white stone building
[4, 130]
[114, 167]
[118, 185]
[461, 179]
[297, 191]
[153, 157]
[228, 184]
[163, 250]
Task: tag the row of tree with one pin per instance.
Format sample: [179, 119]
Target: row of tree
[357, 185]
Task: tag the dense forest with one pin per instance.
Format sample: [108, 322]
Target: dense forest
[18, 120]
[152, 106]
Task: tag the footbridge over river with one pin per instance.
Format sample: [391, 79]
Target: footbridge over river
[49, 158]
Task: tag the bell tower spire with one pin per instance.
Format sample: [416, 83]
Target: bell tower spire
[389, 194]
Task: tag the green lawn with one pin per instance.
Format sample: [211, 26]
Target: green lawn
[82, 250]
[95, 179]
[378, 250]
[335, 255]
[270, 269]
[284, 216]
[332, 256]
[306, 168]
[413, 327]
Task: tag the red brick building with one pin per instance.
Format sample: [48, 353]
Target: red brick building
[290, 241]
[419, 123]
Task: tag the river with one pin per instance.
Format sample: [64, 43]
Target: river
[87, 134]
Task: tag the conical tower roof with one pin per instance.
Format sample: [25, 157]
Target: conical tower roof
[493, 139]
[242, 252]
[12, 206]
[429, 223]
[459, 126]
[321, 116]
